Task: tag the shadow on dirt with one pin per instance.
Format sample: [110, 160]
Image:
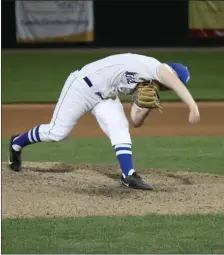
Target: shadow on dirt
[58, 189]
[104, 180]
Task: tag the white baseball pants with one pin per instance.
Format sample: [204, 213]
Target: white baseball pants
[78, 98]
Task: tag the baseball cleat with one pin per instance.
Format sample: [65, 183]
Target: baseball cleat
[14, 158]
[134, 181]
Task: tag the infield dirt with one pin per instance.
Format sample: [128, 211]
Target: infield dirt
[173, 121]
[58, 189]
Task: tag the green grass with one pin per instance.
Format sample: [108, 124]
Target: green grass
[39, 77]
[161, 234]
[201, 154]
[103, 235]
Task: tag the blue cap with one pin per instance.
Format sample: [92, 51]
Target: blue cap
[182, 72]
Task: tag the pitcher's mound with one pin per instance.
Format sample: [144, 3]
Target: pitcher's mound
[58, 189]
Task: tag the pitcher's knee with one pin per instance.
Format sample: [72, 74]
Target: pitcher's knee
[50, 133]
[56, 137]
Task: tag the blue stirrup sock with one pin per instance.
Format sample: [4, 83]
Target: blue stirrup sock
[124, 156]
[32, 136]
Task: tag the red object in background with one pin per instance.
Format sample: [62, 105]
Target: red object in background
[206, 33]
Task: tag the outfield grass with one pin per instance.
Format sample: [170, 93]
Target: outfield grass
[102, 235]
[201, 154]
[39, 77]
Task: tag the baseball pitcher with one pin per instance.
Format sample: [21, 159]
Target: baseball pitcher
[96, 88]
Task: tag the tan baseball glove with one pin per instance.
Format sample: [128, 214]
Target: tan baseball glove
[146, 95]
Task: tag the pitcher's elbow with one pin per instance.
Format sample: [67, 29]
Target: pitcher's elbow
[135, 124]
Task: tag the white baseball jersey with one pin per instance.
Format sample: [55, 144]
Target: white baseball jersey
[120, 73]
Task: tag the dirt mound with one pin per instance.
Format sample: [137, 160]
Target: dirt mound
[58, 189]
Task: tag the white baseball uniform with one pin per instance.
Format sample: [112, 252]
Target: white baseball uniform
[95, 88]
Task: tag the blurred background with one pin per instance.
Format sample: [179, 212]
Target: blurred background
[27, 24]
[43, 41]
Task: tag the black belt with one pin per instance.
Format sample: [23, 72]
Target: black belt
[87, 80]
[89, 83]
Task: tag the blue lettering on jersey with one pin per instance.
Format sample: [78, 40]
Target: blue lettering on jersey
[130, 77]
